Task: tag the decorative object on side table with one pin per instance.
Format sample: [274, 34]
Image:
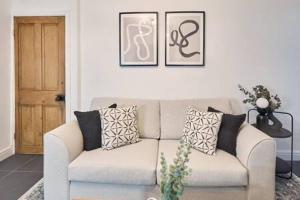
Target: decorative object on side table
[266, 104]
[172, 177]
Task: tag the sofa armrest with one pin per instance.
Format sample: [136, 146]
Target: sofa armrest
[257, 152]
[61, 146]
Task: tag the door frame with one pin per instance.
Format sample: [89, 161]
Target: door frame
[68, 59]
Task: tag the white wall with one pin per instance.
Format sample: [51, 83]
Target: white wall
[247, 42]
[6, 147]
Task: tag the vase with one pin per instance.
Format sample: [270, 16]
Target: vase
[276, 124]
[263, 121]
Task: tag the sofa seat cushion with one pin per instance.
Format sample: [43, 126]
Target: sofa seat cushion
[222, 169]
[133, 164]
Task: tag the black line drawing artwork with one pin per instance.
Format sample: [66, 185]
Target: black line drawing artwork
[185, 38]
[184, 42]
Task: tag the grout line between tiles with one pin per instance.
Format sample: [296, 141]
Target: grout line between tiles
[15, 170]
[29, 171]
[26, 170]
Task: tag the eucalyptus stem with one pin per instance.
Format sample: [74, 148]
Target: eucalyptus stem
[260, 92]
[172, 176]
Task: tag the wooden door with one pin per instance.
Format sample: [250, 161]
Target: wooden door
[39, 78]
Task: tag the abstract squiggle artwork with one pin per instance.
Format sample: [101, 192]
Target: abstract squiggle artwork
[184, 42]
[138, 39]
[140, 35]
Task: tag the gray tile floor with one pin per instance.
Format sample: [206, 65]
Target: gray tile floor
[20, 172]
[297, 168]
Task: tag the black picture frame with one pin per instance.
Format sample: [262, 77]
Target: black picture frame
[156, 49]
[203, 38]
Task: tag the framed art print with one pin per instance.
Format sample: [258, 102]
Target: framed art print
[185, 38]
[138, 38]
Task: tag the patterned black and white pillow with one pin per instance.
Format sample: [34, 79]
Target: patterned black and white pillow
[119, 126]
[201, 130]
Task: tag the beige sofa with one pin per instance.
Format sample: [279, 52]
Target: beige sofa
[132, 172]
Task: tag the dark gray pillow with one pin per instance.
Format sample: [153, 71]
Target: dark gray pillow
[90, 126]
[229, 131]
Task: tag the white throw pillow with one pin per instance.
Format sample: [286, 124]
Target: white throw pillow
[119, 126]
[201, 130]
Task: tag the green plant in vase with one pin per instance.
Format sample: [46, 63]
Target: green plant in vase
[266, 104]
[261, 98]
[172, 177]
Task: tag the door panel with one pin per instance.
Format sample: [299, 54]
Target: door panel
[52, 117]
[40, 70]
[51, 57]
[29, 67]
[30, 124]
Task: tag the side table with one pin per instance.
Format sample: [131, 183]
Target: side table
[284, 169]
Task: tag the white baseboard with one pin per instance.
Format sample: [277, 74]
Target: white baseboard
[286, 155]
[6, 152]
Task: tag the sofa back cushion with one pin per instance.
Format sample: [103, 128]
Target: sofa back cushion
[173, 113]
[147, 113]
